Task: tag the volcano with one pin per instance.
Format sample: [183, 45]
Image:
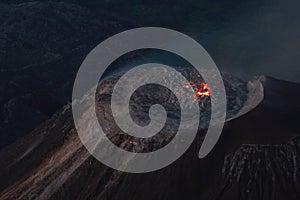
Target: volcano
[257, 156]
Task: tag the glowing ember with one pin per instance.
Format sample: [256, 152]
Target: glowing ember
[202, 90]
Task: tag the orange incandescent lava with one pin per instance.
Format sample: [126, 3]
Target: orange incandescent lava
[202, 90]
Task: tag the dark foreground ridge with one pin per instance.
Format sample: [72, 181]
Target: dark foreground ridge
[257, 156]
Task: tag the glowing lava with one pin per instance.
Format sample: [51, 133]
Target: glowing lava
[202, 90]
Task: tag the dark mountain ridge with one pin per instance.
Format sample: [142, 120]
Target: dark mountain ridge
[52, 163]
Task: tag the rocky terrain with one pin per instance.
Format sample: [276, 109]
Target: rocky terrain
[42, 45]
[252, 159]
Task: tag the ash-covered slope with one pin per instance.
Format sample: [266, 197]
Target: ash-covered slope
[262, 172]
[42, 44]
[51, 163]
